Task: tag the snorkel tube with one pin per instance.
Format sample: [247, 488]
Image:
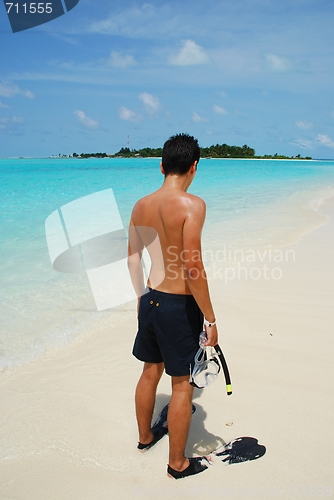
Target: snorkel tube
[225, 369]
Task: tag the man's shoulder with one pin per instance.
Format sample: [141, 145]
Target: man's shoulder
[194, 201]
[143, 201]
[181, 202]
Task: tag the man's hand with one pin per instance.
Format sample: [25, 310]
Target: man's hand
[212, 335]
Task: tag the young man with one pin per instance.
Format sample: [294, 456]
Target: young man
[169, 223]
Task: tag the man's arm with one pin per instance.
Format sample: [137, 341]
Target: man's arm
[135, 250]
[195, 272]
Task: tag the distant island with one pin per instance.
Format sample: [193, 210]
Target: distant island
[217, 151]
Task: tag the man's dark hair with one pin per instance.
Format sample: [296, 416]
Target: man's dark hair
[179, 153]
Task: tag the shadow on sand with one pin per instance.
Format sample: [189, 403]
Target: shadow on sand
[201, 442]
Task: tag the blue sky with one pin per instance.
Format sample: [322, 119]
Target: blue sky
[255, 72]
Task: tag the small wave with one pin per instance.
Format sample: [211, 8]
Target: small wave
[321, 198]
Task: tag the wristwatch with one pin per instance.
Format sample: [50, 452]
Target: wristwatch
[207, 323]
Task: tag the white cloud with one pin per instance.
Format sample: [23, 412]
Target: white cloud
[152, 104]
[303, 144]
[197, 119]
[13, 119]
[11, 125]
[325, 141]
[4, 106]
[189, 54]
[219, 110]
[10, 89]
[120, 60]
[148, 21]
[85, 120]
[128, 115]
[304, 124]
[27, 93]
[277, 63]
[127, 22]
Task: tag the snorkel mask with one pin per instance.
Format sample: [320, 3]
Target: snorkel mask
[207, 365]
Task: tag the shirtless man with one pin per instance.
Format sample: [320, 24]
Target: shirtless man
[171, 310]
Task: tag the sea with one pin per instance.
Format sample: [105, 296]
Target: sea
[252, 206]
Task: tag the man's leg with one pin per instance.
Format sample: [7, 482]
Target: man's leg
[179, 418]
[145, 399]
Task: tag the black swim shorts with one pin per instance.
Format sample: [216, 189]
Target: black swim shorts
[169, 326]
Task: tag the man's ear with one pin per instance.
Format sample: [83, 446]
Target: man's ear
[193, 167]
[162, 169]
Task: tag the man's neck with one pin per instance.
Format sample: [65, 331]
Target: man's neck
[178, 182]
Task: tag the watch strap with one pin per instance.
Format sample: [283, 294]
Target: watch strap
[208, 323]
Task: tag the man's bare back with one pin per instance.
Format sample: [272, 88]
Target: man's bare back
[175, 216]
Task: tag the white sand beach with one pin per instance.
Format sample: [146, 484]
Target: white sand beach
[69, 423]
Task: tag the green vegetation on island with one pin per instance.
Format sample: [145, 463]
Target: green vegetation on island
[214, 151]
[91, 155]
[217, 151]
[140, 153]
[226, 151]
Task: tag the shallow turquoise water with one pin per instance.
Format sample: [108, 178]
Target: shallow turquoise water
[250, 204]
